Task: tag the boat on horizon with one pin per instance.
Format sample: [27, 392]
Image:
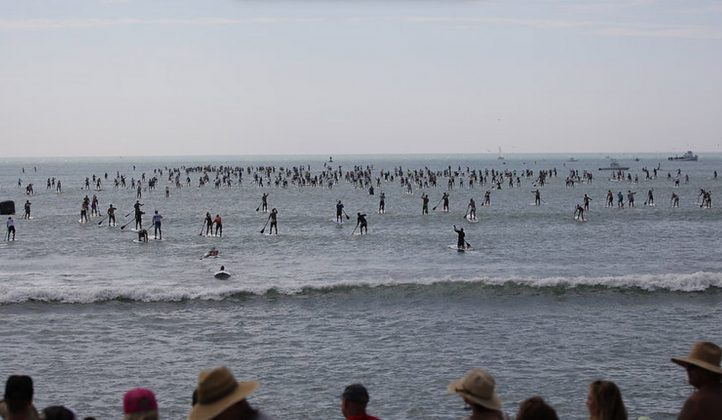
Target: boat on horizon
[615, 166]
[687, 157]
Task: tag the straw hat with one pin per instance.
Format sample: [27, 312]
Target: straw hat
[705, 355]
[218, 390]
[477, 386]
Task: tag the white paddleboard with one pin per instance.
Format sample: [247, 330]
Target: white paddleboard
[139, 242]
[222, 275]
[470, 220]
[455, 248]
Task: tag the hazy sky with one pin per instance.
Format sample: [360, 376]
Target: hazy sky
[180, 77]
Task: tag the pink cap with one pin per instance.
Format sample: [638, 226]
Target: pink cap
[139, 400]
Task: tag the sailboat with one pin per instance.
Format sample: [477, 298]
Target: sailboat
[500, 157]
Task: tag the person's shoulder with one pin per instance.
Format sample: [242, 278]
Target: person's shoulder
[700, 404]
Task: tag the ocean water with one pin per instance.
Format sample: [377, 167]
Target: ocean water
[545, 303]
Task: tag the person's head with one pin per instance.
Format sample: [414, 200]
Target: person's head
[605, 401]
[220, 397]
[702, 364]
[354, 399]
[223, 268]
[477, 390]
[58, 412]
[535, 408]
[156, 212]
[18, 393]
[140, 404]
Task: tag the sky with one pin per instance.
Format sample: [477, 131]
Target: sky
[331, 77]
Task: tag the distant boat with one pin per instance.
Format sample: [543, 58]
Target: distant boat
[688, 157]
[614, 166]
[500, 157]
[572, 160]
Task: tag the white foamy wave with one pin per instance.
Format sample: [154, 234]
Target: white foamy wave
[692, 282]
[9, 294]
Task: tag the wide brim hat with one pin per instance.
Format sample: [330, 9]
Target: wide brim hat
[477, 386]
[705, 355]
[218, 390]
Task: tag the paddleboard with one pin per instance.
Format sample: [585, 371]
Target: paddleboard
[139, 242]
[222, 275]
[455, 248]
[470, 220]
[337, 222]
[211, 235]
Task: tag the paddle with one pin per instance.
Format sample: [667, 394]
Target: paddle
[344, 212]
[266, 224]
[202, 226]
[468, 245]
[437, 204]
[354, 229]
[101, 221]
[123, 227]
[129, 214]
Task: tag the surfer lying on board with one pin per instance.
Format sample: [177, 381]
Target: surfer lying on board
[212, 253]
[461, 241]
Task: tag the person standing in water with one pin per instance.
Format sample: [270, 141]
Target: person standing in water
[209, 223]
[10, 224]
[382, 203]
[138, 215]
[339, 212]
[361, 223]
[461, 239]
[264, 203]
[650, 197]
[471, 209]
[610, 198]
[84, 212]
[111, 215]
[537, 197]
[219, 225]
[579, 213]
[487, 199]
[424, 204]
[445, 199]
[27, 210]
[587, 199]
[157, 233]
[274, 222]
[675, 200]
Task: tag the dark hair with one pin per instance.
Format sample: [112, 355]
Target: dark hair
[535, 408]
[608, 399]
[356, 393]
[58, 412]
[18, 392]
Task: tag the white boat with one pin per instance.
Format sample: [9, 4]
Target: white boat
[614, 166]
